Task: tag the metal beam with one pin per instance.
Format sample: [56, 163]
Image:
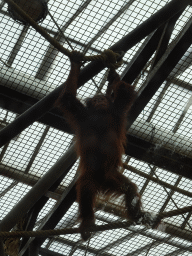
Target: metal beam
[117, 242]
[178, 252]
[38, 190]
[142, 56]
[2, 251]
[17, 46]
[32, 215]
[81, 246]
[28, 179]
[144, 249]
[13, 99]
[31, 180]
[144, 150]
[141, 149]
[148, 26]
[52, 219]
[158, 156]
[158, 41]
[166, 36]
[18, 102]
[46, 252]
[33, 249]
[161, 71]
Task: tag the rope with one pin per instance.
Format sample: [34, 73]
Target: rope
[108, 57]
[11, 244]
[114, 225]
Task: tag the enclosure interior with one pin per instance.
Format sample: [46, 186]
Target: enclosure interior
[31, 66]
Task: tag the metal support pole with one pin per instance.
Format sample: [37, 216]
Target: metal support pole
[148, 26]
[18, 102]
[161, 72]
[52, 219]
[46, 252]
[2, 251]
[92, 69]
[34, 248]
[39, 189]
[28, 117]
[160, 37]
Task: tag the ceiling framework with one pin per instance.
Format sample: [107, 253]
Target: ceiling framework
[158, 159]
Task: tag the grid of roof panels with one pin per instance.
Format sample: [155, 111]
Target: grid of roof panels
[31, 66]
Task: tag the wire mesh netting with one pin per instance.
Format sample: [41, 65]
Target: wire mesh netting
[31, 66]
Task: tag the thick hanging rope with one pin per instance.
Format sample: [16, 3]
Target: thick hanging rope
[108, 57]
[115, 225]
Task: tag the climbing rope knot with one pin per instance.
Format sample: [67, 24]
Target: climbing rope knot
[76, 56]
[110, 59]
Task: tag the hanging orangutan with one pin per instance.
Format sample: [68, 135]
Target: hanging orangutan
[100, 139]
